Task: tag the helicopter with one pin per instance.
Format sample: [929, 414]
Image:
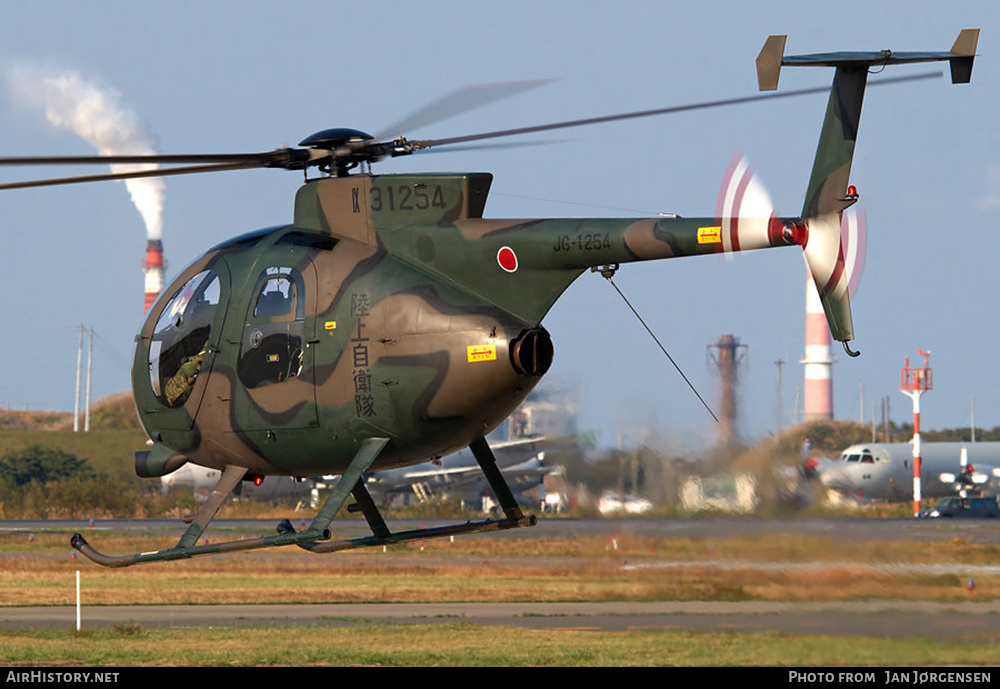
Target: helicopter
[392, 322]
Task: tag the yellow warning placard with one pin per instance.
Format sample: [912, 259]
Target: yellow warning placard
[709, 235]
[330, 325]
[486, 352]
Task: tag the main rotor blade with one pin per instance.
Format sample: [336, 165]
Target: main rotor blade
[138, 159]
[261, 159]
[493, 147]
[156, 172]
[299, 158]
[457, 102]
[428, 143]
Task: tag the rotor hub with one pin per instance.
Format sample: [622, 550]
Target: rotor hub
[337, 137]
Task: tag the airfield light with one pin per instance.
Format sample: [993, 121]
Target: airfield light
[913, 382]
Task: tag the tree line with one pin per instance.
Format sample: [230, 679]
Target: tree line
[39, 482]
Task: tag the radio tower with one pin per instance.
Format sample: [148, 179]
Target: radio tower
[153, 268]
[729, 355]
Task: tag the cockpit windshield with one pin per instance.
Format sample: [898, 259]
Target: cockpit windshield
[855, 456]
[179, 339]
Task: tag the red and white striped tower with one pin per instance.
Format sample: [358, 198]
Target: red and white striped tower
[153, 268]
[818, 390]
[913, 382]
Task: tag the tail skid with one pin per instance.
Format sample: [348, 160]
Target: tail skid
[828, 193]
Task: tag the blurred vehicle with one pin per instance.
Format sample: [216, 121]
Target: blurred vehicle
[965, 508]
[612, 503]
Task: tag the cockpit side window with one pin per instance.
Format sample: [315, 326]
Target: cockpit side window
[277, 299]
[272, 343]
[179, 339]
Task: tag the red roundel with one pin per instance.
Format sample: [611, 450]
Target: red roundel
[507, 259]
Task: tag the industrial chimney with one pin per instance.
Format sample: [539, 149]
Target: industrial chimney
[728, 356]
[818, 397]
[153, 268]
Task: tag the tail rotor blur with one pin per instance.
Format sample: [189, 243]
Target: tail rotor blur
[854, 240]
[743, 203]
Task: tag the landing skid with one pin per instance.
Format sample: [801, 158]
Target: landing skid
[513, 517]
[316, 537]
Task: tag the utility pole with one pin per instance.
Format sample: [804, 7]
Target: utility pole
[778, 400]
[90, 366]
[972, 416]
[874, 426]
[79, 370]
[76, 399]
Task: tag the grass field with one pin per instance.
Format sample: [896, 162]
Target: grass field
[489, 569]
[458, 644]
[494, 568]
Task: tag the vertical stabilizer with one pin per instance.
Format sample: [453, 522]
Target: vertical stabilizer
[829, 192]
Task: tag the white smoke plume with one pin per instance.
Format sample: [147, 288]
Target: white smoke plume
[98, 116]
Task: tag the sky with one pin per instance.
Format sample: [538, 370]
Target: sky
[250, 76]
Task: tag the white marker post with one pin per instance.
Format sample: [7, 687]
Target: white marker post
[77, 600]
[913, 382]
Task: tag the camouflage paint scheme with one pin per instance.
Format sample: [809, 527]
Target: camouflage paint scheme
[412, 325]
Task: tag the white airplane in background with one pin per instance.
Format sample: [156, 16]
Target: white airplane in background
[521, 462]
[884, 471]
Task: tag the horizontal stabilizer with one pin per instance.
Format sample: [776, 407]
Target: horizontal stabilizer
[771, 59]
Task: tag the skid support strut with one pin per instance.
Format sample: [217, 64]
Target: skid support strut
[186, 547]
[488, 463]
[381, 535]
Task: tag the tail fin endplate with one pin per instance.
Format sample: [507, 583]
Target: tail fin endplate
[827, 194]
